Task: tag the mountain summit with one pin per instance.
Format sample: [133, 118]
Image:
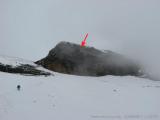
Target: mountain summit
[74, 59]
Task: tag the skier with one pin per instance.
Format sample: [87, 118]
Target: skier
[18, 87]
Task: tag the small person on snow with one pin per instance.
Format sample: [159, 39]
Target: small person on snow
[18, 87]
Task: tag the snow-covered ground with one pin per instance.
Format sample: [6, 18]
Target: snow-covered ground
[68, 97]
[14, 61]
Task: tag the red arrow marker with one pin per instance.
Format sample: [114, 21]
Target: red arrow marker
[83, 43]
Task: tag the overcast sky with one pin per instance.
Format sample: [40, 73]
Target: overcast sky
[30, 28]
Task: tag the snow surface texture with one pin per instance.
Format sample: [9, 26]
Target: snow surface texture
[68, 97]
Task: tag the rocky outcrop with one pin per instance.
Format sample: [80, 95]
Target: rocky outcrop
[24, 69]
[71, 58]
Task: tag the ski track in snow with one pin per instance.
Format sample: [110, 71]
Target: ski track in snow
[4, 107]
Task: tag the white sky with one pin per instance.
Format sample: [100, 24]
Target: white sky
[30, 28]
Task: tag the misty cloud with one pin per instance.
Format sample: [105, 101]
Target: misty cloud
[29, 29]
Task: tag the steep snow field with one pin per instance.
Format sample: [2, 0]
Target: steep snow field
[67, 97]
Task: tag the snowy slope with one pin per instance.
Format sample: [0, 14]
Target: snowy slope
[14, 61]
[67, 97]
[21, 66]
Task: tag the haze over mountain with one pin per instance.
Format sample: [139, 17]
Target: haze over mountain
[36, 26]
[30, 28]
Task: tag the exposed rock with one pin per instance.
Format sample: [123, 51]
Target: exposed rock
[73, 59]
[24, 69]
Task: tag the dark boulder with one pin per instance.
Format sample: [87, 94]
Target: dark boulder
[73, 59]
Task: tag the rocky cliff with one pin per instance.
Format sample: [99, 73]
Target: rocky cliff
[71, 58]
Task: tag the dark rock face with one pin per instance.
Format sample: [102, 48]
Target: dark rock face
[73, 59]
[23, 69]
